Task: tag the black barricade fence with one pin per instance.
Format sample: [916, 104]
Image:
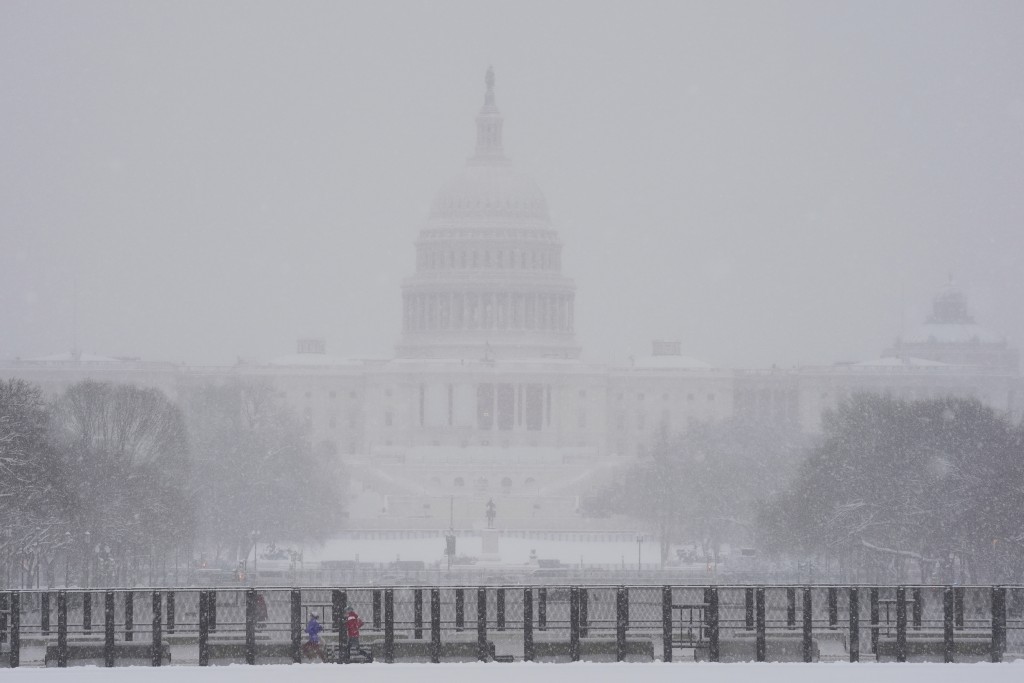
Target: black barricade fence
[511, 623]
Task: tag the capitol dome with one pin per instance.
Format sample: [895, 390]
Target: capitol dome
[488, 281]
[490, 192]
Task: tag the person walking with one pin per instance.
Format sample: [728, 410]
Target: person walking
[352, 623]
[313, 646]
[261, 611]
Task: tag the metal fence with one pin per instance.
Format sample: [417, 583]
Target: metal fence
[504, 623]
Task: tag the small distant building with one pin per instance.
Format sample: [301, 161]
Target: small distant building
[951, 336]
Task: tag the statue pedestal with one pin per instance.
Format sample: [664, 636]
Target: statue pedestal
[489, 545]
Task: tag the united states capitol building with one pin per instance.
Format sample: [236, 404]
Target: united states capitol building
[487, 397]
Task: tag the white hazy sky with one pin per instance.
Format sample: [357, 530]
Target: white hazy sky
[769, 182]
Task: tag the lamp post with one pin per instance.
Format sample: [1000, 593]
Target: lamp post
[67, 558]
[86, 556]
[6, 534]
[639, 544]
[35, 559]
[255, 555]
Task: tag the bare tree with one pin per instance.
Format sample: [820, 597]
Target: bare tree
[256, 471]
[31, 505]
[124, 454]
[897, 489]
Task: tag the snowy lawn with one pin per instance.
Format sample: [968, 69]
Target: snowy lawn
[534, 673]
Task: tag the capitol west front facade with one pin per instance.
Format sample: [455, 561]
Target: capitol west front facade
[487, 397]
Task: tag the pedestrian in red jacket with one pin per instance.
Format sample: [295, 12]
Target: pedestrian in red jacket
[352, 623]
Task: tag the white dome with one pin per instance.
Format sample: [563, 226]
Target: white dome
[484, 192]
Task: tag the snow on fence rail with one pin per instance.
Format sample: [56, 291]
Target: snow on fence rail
[189, 626]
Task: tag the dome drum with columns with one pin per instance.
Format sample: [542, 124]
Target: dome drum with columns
[488, 281]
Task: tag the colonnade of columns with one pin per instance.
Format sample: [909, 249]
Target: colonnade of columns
[551, 312]
[538, 258]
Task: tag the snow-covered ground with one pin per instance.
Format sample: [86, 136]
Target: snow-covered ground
[512, 551]
[536, 673]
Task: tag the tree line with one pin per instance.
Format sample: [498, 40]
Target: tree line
[108, 482]
[891, 490]
[929, 491]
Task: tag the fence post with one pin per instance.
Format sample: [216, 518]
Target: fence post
[460, 609]
[759, 642]
[584, 613]
[998, 622]
[621, 616]
[170, 612]
[295, 624]
[958, 607]
[129, 616]
[854, 625]
[204, 628]
[542, 609]
[873, 599]
[748, 608]
[417, 613]
[250, 626]
[500, 600]
[158, 635]
[917, 609]
[108, 627]
[344, 654]
[212, 609]
[389, 625]
[528, 624]
[808, 615]
[15, 652]
[337, 618]
[44, 612]
[947, 624]
[713, 651]
[481, 624]
[666, 623]
[376, 609]
[901, 623]
[574, 624]
[833, 607]
[435, 625]
[5, 602]
[791, 607]
[62, 629]
[86, 611]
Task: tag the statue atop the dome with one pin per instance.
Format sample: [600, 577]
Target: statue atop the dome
[489, 81]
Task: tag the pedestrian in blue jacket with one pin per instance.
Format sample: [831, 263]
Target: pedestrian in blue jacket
[313, 646]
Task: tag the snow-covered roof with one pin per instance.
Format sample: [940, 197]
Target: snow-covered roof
[669, 363]
[899, 362]
[319, 360]
[71, 357]
[518, 363]
[952, 333]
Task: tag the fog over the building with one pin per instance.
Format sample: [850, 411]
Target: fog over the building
[767, 183]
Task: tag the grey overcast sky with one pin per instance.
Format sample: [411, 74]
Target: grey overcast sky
[769, 182]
